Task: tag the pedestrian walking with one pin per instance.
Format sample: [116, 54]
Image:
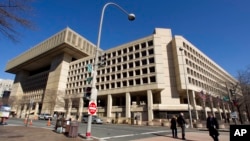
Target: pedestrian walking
[212, 125]
[173, 126]
[182, 123]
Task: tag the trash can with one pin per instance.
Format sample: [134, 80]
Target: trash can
[73, 129]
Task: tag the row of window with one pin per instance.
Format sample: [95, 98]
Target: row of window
[113, 85]
[192, 54]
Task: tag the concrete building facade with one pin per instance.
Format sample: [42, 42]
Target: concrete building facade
[150, 77]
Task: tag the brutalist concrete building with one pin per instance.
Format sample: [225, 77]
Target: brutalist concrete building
[151, 77]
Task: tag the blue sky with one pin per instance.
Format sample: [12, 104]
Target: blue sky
[219, 28]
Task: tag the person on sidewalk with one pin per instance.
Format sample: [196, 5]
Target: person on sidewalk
[182, 123]
[212, 125]
[173, 126]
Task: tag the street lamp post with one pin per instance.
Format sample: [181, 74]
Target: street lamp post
[93, 97]
[189, 110]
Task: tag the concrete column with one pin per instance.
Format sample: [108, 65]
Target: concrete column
[224, 110]
[36, 109]
[80, 108]
[128, 105]
[211, 104]
[218, 109]
[24, 111]
[204, 107]
[150, 105]
[193, 103]
[69, 109]
[19, 112]
[109, 106]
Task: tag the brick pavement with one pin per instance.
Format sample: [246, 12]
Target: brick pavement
[22, 133]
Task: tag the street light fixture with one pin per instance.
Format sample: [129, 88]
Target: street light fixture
[189, 110]
[93, 97]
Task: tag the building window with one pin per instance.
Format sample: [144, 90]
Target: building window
[152, 79]
[150, 43]
[143, 45]
[137, 47]
[145, 80]
[152, 69]
[151, 60]
[131, 82]
[151, 51]
[124, 74]
[131, 73]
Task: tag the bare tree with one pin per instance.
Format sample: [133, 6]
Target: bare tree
[14, 13]
[53, 100]
[243, 103]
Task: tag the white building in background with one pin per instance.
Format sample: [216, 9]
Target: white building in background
[5, 85]
[144, 77]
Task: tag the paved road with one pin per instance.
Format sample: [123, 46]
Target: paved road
[113, 132]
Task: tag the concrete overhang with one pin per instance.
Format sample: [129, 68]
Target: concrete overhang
[44, 60]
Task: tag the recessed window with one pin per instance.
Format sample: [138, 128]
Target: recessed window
[130, 49]
[137, 63]
[138, 81]
[152, 69]
[118, 84]
[131, 73]
[113, 77]
[143, 45]
[118, 76]
[124, 66]
[151, 60]
[124, 74]
[152, 79]
[131, 56]
[137, 47]
[137, 55]
[131, 82]
[114, 54]
[119, 67]
[125, 50]
[124, 83]
[124, 58]
[119, 52]
[131, 65]
[144, 62]
[145, 80]
[150, 43]
[151, 51]
[143, 53]
[144, 70]
[137, 72]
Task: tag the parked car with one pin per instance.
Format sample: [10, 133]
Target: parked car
[95, 119]
[45, 116]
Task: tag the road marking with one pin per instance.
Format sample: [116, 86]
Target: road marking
[121, 136]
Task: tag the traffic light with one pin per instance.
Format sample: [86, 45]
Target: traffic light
[232, 92]
[87, 94]
[103, 60]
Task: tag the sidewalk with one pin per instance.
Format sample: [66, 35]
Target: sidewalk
[22, 133]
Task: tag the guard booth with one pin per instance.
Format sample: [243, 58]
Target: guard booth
[4, 114]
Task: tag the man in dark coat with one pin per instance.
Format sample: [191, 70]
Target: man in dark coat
[212, 125]
[181, 122]
[174, 126]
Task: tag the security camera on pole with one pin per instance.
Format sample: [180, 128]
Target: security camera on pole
[93, 96]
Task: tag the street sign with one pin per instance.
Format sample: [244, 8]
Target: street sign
[89, 66]
[92, 108]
